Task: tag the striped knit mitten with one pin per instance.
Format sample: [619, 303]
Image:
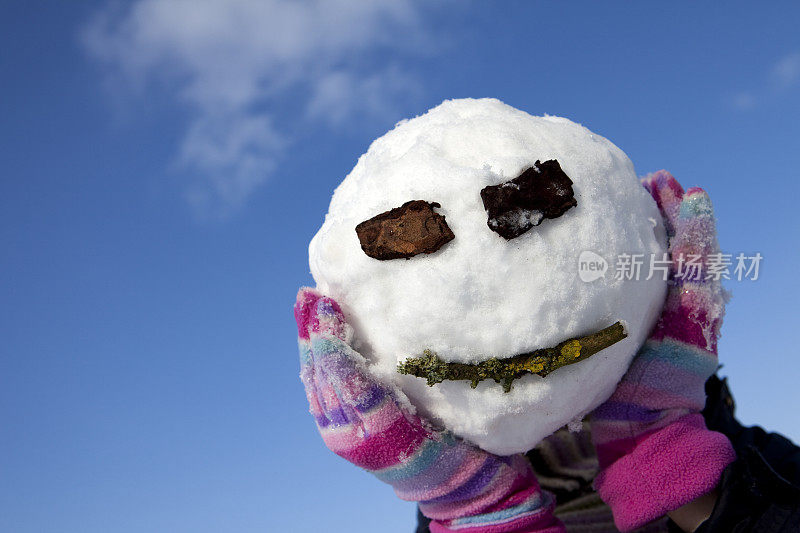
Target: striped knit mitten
[459, 486]
[654, 449]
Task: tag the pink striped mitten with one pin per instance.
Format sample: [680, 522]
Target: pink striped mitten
[459, 486]
[655, 451]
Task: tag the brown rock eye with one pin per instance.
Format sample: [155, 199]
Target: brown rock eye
[405, 231]
[515, 206]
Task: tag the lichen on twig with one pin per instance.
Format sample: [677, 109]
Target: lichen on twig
[504, 371]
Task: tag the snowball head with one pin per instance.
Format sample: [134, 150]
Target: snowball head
[481, 295]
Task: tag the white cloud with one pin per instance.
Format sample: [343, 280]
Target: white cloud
[783, 75]
[340, 95]
[786, 72]
[743, 100]
[233, 153]
[230, 62]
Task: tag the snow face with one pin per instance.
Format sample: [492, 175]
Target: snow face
[480, 295]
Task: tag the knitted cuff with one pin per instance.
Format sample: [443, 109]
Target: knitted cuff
[667, 469]
[530, 511]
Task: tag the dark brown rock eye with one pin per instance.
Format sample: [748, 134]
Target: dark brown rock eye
[405, 231]
[515, 206]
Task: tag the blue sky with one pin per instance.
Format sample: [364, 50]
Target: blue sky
[164, 166]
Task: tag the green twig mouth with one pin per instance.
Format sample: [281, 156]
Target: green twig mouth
[542, 362]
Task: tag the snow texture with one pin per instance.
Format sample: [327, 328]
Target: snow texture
[480, 295]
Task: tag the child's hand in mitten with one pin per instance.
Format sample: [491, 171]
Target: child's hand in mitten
[459, 486]
[655, 451]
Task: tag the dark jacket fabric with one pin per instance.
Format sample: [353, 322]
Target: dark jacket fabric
[758, 493]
